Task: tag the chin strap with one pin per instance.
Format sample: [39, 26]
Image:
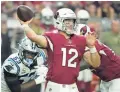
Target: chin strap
[68, 34]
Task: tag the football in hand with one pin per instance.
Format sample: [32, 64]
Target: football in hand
[25, 13]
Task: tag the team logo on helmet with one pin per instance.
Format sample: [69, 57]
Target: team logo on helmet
[83, 30]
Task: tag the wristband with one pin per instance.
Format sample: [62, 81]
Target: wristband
[40, 79]
[93, 50]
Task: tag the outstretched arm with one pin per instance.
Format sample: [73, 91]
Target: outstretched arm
[25, 16]
[39, 39]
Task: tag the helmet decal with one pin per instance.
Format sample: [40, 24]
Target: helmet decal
[83, 30]
[56, 15]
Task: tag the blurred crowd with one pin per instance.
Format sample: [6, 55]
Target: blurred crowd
[104, 17]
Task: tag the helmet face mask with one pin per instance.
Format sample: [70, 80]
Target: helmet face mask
[82, 16]
[61, 16]
[29, 57]
[48, 20]
[68, 25]
[82, 21]
[28, 52]
[47, 16]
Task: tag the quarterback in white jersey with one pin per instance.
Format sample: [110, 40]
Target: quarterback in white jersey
[25, 69]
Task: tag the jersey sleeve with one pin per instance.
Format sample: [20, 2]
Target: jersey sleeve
[48, 36]
[106, 51]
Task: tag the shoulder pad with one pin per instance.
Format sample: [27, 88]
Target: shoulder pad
[11, 66]
[15, 58]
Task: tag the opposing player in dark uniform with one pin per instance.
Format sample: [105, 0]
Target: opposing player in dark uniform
[65, 50]
[109, 69]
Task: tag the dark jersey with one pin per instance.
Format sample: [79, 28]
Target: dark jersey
[64, 57]
[110, 63]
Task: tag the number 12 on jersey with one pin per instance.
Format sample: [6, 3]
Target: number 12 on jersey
[71, 51]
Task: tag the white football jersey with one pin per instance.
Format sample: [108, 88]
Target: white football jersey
[14, 65]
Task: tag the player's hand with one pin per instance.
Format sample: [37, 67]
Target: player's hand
[27, 22]
[25, 14]
[40, 79]
[90, 39]
[41, 70]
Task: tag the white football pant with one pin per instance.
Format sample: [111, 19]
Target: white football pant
[111, 86]
[55, 87]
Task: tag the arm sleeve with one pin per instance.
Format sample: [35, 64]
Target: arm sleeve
[14, 83]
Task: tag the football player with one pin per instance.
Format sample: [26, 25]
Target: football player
[65, 50]
[85, 77]
[25, 69]
[109, 69]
